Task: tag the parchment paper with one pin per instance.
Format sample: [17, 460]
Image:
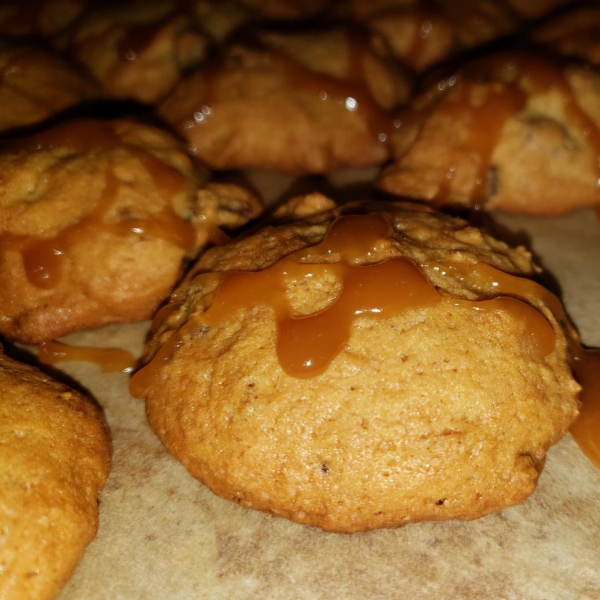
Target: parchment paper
[164, 535]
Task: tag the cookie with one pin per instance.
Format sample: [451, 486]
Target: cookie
[97, 221]
[137, 50]
[37, 84]
[418, 37]
[54, 460]
[510, 131]
[361, 367]
[303, 102]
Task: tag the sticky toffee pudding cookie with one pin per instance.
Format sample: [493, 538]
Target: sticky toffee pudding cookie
[96, 221]
[303, 102]
[509, 131]
[54, 460]
[361, 367]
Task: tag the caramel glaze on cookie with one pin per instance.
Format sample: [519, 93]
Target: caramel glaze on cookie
[137, 50]
[360, 371]
[96, 221]
[509, 131]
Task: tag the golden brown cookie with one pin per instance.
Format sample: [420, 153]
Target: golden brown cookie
[35, 84]
[306, 102]
[392, 365]
[54, 460]
[96, 221]
[137, 50]
[509, 131]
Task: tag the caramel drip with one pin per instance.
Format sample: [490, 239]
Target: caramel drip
[586, 429]
[491, 281]
[350, 238]
[109, 359]
[585, 363]
[350, 94]
[307, 344]
[511, 78]
[485, 124]
[43, 257]
[539, 76]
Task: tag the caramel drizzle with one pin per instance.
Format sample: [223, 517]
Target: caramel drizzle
[517, 75]
[585, 363]
[43, 257]
[486, 123]
[585, 430]
[351, 94]
[110, 360]
[306, 345]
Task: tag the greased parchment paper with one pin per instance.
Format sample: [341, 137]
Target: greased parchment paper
[164, 535]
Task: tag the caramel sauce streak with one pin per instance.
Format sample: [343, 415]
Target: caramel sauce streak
[109, 359]
[485, 125]
[538, 76]
[516, 76]
[585, 363]
[43, 257]
[586, 429]
[307, 344]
